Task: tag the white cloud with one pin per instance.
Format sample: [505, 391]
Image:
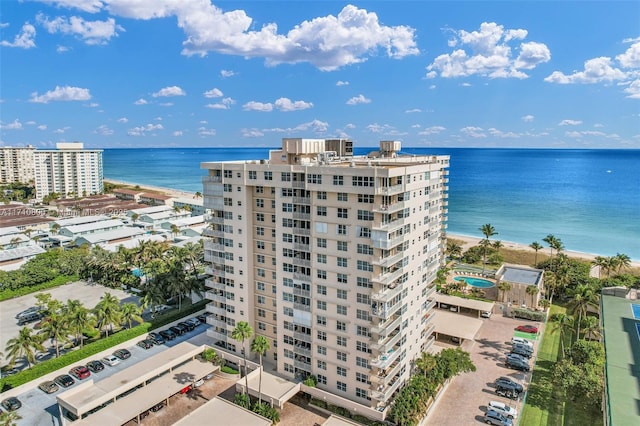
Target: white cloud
[500, 134]
[631, 57]
[91, 32]
[30, 123]
[177, 133]
[166, 104]
[203, 131]
[141, 101]
[42, 127]
[465, 84]
[90, 6]
[379, 128]
[410, 111]
[579, 135]
[24, 39]
[432, 87]
[251, 133]
[286, 104]
[433, 130]
[61, 130]
[103, 130]
[633, 90]
[143, 130]
[16, 125]
[257, 106]
[350, 126]
[213, 93]
[123, 120]
[360, 99]
[64, 93]
[224, 104]
[327, 42]
[93, 105]
[169, 91]
[4, 24]
[62, 49]
[474, 132]
[227, 73]
[595, 70]
[569, 123]
[489, 54]
[315, 126]
[342, 83]
[527, 118]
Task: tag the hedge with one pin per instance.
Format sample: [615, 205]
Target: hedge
[228, 370]
[341, 411]
[50, 365]
[528, 314]
[56, 282]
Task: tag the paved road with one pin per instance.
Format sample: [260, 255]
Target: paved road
[89, 295]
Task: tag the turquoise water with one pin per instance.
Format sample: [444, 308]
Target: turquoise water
[590, 199]
[475, 282]
[636, 310]
[137, 272]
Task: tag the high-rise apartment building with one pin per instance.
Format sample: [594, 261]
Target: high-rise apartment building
[330, 256]
[16, 164]
[68, 170]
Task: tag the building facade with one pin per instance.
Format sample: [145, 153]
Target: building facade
[16, 164]
[68, 170]
[332, 257]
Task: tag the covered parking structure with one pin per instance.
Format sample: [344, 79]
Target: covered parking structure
[472, 306]
[110, 401]
[220, 411]
[454, 325]
[275, 390]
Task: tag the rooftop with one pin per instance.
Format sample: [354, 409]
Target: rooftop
[112, 235]
[519, 274]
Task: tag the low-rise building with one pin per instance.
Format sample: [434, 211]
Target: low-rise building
[521, 277]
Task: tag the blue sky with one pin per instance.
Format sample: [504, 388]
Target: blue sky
[191, 73]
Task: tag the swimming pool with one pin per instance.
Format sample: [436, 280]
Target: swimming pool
[137, 272]
[635, 308]
[475, 282]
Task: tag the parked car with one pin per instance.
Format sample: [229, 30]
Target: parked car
[28, 318]
[517, 357]
[202, 318]
[156, 338]
[518, 364]
[527, 329]
[522, 352]
[194, 321]
[187, 325]
[157, 407]
[508, 391]
[168, 334]
[178, 330]
[64, 380]
[122, 354]
[145, 344]
[198, 383]
[503, 380]
[494, 418]
[521, 341]
[11, 404]
[81, 372]
[95, 366]
[523, 347]
[28, 311]
[48, 386]
[485, 314]
[502, 408]
[111, 360]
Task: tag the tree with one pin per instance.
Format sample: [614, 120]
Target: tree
[488, 231]
[583, 298]
[175, 230]
[532, 290]
[564, 324]
[623, 261]
[260, 345]
[135, 217]
[130, 312]
[454, 250]
[504, 287]
[198, 194]
[591, 327]
[426, 363]
[79, 319]
[25, 345]
[602, 263]
[242, 332]
[107, 312]
[552, 242]
[55, 327]
[9, 418]
[536, 246]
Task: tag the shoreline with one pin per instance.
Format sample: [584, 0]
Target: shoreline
[469, 241]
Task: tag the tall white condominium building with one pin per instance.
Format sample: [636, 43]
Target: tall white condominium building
[16, 164]
[330, 256]
[68, 170]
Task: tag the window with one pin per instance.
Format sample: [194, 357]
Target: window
[313, 178]
[287, 207]
[342, 294]
[341, 309]
[362, 346]
[341, 356]
[362, 362]
[338, 180]
[363, 232]
[227, 187]
[341, 371]
[285, 176]
[321, 227]
[365, 266]
[321, 195]
[322, 289]
[342, 246]
[228, 174]
[322, 379]
[361, 393]
[321, 274]
[362, 331]
[321, 304]
[321, 242]
[364, 282]
[363, 298]
[268, 175]
[343, 196]
[321, 365]
[321, 320]
[262, 326]
[259, 258]
[322, 335]
[252, 175]
[259, 230]
[343, 213]
[321, 211]
[341, 386]
[362, 377]
[259, 189]
[365, 215]
[365, 249]
[365, 198]
[262, 313]
[342, 278]
[322, 350]
[260, 286]
[363, 315]
[259, 217]
[341, 326]
[260, 244]
[342, 229]
[342, 262]
[362, 180]
[322, 258]
[287, 238]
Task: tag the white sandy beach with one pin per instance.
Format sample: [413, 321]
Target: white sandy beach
[168, 191]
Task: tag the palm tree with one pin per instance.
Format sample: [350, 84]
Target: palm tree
[583, 298]
[175, 230]
[55, 228]
[504, 287]
[426, 363]
[536, 246]
[260, 345]
[153, 296]
[135, 217]
[602, 263]
[454, 250]
[55, 327]
[9, 418]
[130, 312]
[25, 345]
[242, 332]
[488, 231]
[532, 290]
[550, 240]
[198, 194]
[107, 312]
[592, 327]
[623, 261]
[79, 318]
[564, 324]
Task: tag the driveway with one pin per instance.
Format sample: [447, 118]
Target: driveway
[89, 295]
[466, 398]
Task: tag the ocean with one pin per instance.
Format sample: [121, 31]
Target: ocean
[590, 199]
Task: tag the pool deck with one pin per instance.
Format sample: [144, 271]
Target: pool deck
[490, 293]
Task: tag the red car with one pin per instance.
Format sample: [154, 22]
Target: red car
[527, 329]
[80, 372]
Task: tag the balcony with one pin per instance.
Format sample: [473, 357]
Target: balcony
[208, 232]
[428, 343]
[301, 292]
[389, 277]
[217, 297]
[383, 311]
[216, 335]
[389, 208]
[302, 350]
[385, 344]
[299, 184]
[212, 179]
[301, 246]
[302, 200]
[391, 291]
[301, 307]
[430, 305]
[301, 231]
[430, 327]
[214, 219]
[388, 190]
[210, 245]
[298, 335]
[210, 270]
[304, 216]
[302, 262]
[430, 291]
[388, 243]
[386, 327]
[385, 394]
[302, 365]
[211, 283]
[389, 260]
[211, 307]
[390, 225]
[302, 277]
[383, 377]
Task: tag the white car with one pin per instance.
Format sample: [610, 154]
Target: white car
[504, 409]
[111, 360]
[486, 314]
[198, 383]
[521, 341]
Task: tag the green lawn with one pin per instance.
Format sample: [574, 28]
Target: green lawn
[545, 404]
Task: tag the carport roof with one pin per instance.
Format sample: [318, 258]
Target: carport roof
[222, 411]
[338, 421]
[456, 325]
[478, 305]
[273, 387]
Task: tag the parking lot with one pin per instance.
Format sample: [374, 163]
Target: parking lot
[466, 398]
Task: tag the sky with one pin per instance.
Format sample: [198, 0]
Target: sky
[208, 73]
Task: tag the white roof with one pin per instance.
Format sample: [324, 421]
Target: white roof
[225, 412]
[93, 226]
[478, 305]
[456, 325]
[133, 242]
[148, 210]
[105, 237]
[8, 230]
[192, 240]
[191, 201]
[185, 221]
[6, 239]
[79, 220]
[20, 252]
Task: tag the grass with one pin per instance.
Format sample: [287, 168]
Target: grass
[545, 403]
